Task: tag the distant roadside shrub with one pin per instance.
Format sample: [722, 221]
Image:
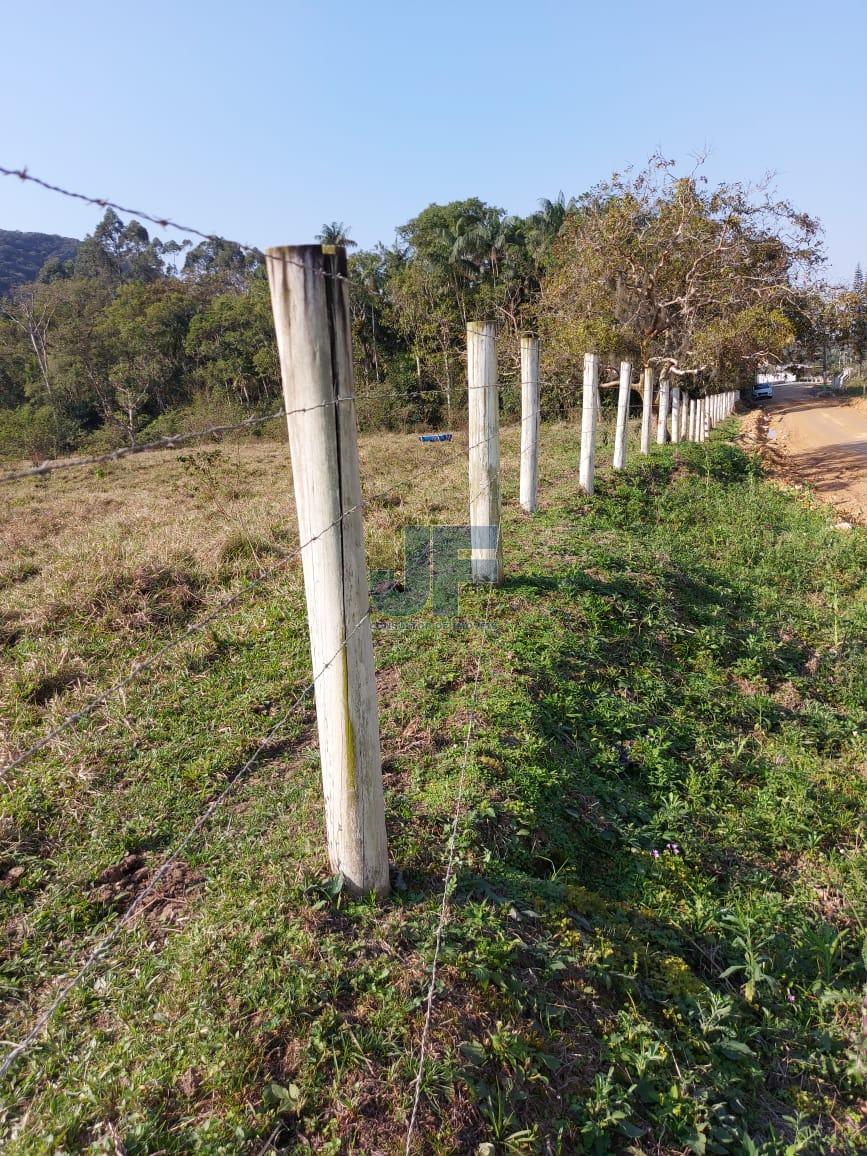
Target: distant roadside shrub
[36, 433]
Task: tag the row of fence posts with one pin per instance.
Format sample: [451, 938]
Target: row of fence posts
[310, 299]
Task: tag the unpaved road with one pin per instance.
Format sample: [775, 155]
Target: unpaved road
[820, 442]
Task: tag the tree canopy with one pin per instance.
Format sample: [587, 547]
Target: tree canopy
[704, 282]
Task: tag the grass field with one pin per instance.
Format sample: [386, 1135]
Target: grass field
[656, 942]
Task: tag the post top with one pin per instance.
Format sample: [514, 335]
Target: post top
[331, 258]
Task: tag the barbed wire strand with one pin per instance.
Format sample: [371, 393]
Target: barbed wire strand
[47, 1015]
[165, 222]
[449, 876]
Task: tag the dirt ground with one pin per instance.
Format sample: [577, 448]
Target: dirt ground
[815, 441]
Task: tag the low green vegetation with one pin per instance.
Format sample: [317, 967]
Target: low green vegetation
[656, 937]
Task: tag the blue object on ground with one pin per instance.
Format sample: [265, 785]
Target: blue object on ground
[441, 437]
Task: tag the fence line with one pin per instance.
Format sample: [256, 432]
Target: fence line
[335, 477]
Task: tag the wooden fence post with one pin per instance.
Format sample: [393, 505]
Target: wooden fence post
[589, 392]
[662, 411]
[675, 414]
[484, 452]
[621, 431]
[310, 300]
[646, 410]
[529, 423]
[684, 413]
[690, 428]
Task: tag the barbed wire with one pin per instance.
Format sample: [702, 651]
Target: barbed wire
[93, 958]
[165, 222]
[449, 876]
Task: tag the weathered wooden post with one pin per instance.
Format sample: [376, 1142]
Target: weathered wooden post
[684, 413]
[675, 414]
[621, 430]
[646, 410]
[699, 421]
[662, 411]
[589, 391]
[529, 423]
[310, 300]
[484, 453]
[690, 429]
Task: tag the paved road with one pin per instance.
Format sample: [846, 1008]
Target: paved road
[823, 443]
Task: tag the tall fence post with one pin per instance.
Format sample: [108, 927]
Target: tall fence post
[675, 414]
[529, 423]
[310, 300]
[484, 452]
[621, 431]
[662, 412]
[690, 425]
[589, 393]
[684, 413]
[646, 410]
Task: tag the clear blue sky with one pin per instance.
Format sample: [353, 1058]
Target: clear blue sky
[261, 120]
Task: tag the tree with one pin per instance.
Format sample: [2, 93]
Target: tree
[232, 346]
[223, 265]
[669, 272]
[336, 233]
[144, 330]
[858, 326]
[116, 253]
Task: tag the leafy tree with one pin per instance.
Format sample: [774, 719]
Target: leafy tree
[232, 346]
[336, 233]
[223, 265]
[858, 326]
[116, 253]
[144, 329]
[670, 272]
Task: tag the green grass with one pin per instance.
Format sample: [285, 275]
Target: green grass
[656, 942]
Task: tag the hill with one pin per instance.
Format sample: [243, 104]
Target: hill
[22, 255]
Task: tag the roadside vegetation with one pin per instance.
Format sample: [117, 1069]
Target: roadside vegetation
[656, 940]
[130, 337]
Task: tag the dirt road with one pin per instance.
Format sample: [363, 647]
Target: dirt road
[820, 442]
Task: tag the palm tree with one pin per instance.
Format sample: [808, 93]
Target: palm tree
[336, 233]
[548, 222]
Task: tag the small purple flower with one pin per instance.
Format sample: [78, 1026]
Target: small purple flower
[790, 996]
[655, 853]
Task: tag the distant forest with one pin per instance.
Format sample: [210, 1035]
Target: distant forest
[124, 337]
[23, 255]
